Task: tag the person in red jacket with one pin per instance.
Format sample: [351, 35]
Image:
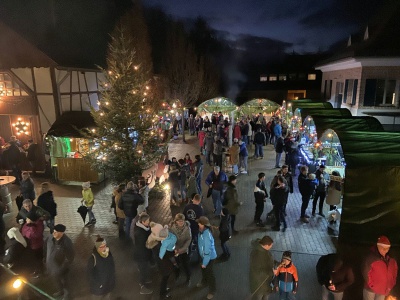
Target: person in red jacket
[379, 271]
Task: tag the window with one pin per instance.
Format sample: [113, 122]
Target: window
[10, 88]
[328, 89]
[273, 78]
[312, 76]
[350, 91]
[380, 92]
[282, 77]
[263, 78]
[293, 76]
[302, 76]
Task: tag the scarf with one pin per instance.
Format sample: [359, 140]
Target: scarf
[105, 253]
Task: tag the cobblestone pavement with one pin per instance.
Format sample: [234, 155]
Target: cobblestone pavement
[307, 241]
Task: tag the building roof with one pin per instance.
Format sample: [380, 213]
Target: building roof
[16, 52]
[379, 38]
[71, 123]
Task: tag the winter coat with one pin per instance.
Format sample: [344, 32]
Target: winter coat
[206, 246]
[201, 136]
[117, 199]
[130, 200]
[27, 189]
[191, 186]
[278, 195]
[165, 264]
[88, 198]
[341, 276]
[260, 191]
[234, 154]
[259, 138]
[14, 253]
[237, 134]
[379, 272]
[245, 130]
[209, 142]
[39, 212]
[322, 182]
[261, 269]
[216, 181]
[101, 272]
[304, 185]
[225, 228]
[243, 150]
[231, 199]
[289, 180]
[279, 145]
[217, 148]
[286, 278]
[278, 130]
[168, 245]
[59, 255]
[140, 251]
[333, 196]
[198, 169]
[184, 237]
[12, 155]
[46, 201]
[33, 233]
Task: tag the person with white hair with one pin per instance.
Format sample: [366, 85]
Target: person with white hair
[88, 200]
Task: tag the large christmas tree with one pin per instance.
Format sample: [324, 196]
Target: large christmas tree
[126, 141]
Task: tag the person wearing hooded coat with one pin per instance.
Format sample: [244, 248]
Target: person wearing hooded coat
[231, 201]
[101, 270]
[15, 257]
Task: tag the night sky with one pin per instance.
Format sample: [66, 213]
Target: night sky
[298, 25]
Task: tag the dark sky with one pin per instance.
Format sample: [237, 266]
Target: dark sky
[302, 25]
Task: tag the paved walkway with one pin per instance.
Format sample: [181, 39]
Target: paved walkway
[307, 241]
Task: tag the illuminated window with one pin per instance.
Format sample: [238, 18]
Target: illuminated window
[312, 76]
[9, 88]
[293, 76]
[282, 77]
[263, 78]
[273, 78]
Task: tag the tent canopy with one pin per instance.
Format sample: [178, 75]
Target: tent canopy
[70, 124]
[296, 105]
[337, 123]
[258, 105]
[325, 112]
[219, 104]
[371, 206]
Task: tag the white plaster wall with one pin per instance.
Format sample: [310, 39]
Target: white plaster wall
[47, 113]
[25, 75]
[43, 80]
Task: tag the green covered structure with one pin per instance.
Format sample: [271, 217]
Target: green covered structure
[371, 205]
[219, 104]
[324, 112]
[297, 105]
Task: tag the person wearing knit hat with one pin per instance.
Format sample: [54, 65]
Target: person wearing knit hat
[101, 270]
[88, 200]
[379, 271]
[59, 254]
[286, 277]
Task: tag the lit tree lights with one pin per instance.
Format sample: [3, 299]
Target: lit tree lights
[125, 142]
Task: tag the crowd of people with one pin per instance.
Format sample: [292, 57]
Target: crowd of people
[190, 236]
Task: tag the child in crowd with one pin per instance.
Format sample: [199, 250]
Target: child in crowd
[313, 182]
[225, 234]
[286, 278]
[88, 200]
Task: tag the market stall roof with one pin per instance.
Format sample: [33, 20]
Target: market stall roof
[371, 205]
[70, 124]
[221, 104]
[336, 123]
[300, 106]
[325, 112]
[258, 105]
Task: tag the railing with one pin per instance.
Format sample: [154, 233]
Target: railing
[18, 282]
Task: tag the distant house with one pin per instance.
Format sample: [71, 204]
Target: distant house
[365, 75]
[292, 78]
[36, 90]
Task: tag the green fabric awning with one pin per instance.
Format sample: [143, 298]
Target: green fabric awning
[303, 105]
[325, 112]
[219, 104]
[371, 205]
[337, 124]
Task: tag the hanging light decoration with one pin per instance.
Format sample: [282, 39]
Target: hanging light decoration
[21, 127]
